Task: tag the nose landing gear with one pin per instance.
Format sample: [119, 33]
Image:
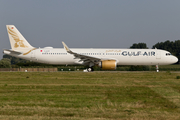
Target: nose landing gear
[157, 68]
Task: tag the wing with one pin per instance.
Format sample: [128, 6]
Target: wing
[85, 58]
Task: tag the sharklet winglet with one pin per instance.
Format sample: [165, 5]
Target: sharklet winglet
[67, 48]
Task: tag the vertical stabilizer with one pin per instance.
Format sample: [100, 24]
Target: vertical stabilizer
[18, 42]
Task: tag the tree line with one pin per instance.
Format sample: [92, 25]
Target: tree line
[171, 46]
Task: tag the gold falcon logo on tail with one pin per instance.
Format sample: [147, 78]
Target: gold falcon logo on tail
[18, 42]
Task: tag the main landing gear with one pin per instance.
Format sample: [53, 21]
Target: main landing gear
[90, 69]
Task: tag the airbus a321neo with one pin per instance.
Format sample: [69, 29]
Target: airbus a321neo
[107, 59]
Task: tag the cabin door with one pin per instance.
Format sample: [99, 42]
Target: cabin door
[33, 54]
[158, 55]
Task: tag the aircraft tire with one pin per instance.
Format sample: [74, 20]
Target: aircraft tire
[90, 69]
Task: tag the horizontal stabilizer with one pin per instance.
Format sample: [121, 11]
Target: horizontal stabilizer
[12, 51]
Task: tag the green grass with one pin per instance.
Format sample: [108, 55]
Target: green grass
[96, 95]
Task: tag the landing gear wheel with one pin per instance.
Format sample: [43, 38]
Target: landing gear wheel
[90, 69]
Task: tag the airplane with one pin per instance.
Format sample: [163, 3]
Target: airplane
[107, 59]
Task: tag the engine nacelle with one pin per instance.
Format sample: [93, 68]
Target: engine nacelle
[108, 64]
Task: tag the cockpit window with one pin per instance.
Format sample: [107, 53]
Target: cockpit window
[168, 54]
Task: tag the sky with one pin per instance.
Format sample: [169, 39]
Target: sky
[90, 23]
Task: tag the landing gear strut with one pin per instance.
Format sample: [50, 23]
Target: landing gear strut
[157, 68]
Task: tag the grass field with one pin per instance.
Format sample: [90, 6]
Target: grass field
[86, 96]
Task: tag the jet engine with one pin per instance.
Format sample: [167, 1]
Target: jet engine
[108, 64]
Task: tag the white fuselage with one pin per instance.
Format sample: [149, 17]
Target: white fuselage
[59, 56]
[107, 59]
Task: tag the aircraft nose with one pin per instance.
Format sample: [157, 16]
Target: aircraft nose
[175, 59]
